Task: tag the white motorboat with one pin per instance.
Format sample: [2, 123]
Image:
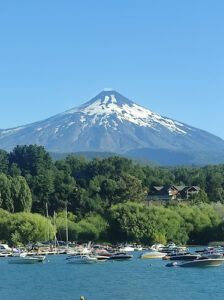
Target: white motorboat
[126, 248]
[157, 247]
[101, 258]
[26, 259]
[40, 258]
[3, 254]
[138, 248]
[5, 250]
[81, 259]
[152, 254]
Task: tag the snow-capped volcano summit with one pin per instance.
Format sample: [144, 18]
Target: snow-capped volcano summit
[111, 103]
[111, 122]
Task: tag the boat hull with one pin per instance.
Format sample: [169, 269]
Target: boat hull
[211, 262]
[23, 260]
[81, 260]
[153, 255]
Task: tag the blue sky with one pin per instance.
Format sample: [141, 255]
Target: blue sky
[167, 56]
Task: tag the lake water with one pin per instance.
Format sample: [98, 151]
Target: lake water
[135, 279]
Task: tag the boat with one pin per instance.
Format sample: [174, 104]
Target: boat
[181, 256]
[126, 248]
[152, 254]
[81, 259]
[138, 248]
[157, 247]
[171, 248]
[101, 258]
[201, 262]
[120, 256]
[5, 250]
[213, 253]
[2, 254]
[40, 258]
[26, 259]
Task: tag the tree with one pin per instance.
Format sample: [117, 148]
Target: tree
[4, 163]
[78, 165]
[21, 228]
[21, 194]
[64, 189]
[200, 197]
[73, 227]
[14, 170]
[30, 159]
[6, 200]
[130, 189]
[43, 188]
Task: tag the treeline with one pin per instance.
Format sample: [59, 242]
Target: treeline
[106, 198]
[130, 222]
[29, 179]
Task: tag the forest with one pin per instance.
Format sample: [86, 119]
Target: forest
[106, 200]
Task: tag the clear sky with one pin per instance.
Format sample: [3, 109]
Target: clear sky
[165, 55]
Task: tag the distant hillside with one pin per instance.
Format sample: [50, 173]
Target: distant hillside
[91, 155]
[173, 157]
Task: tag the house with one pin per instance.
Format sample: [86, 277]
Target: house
[172, 192]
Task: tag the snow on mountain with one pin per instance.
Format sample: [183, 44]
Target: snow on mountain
[107, 105]
[110, 122]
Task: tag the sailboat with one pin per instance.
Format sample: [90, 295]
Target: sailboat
[65, 249]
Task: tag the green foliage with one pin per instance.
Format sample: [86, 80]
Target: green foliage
[138, 223]
[201, 197]
[112, 187]
[30, 159]
[4, 163]
[6, 200]
[200, 222]
[219, 209]
[73, 229]
[87, 232]
[20, 228]
[21, 194]
[93, 186]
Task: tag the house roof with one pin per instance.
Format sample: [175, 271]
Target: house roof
[179, 188]
[157, 188]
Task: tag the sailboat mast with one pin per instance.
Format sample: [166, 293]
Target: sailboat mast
[48, 232]
[66, 224]
[55, 238]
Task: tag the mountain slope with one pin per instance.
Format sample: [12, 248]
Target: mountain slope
[110, 122]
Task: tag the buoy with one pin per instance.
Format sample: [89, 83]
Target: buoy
[81, 298]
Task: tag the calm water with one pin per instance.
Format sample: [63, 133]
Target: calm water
[134, 279]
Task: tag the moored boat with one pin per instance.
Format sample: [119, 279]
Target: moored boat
[101, 258]
[181, 256]
[120, 256]
[200, 263]
[81, 259]
[26, 259]
[126, 248]
[203, 262]
[152, 254]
